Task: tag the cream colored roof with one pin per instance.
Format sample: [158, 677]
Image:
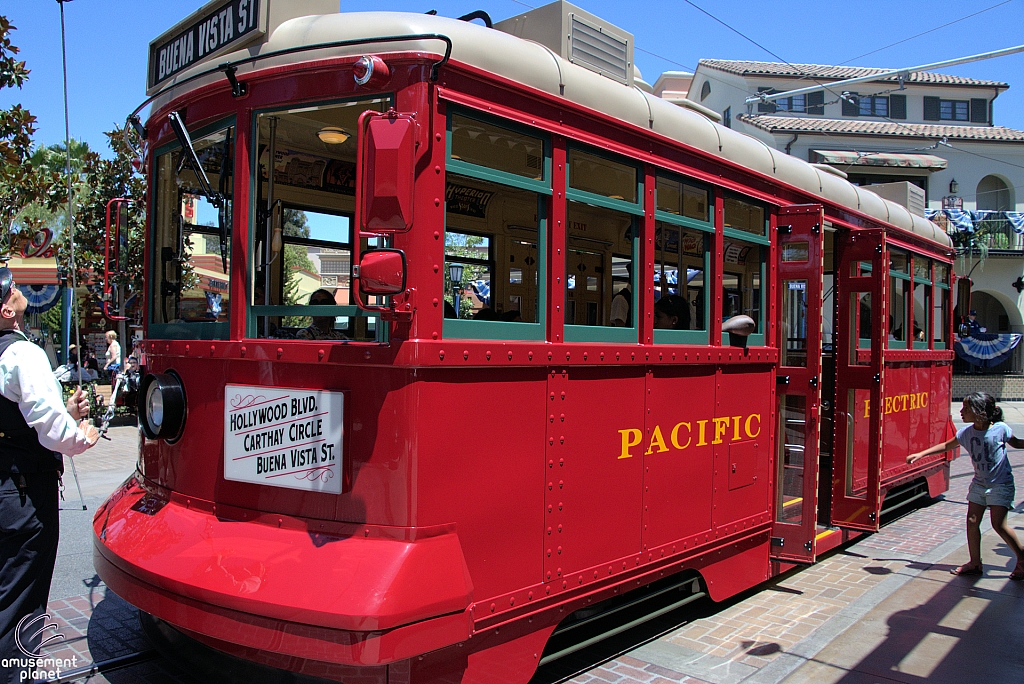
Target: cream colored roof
[538, 67]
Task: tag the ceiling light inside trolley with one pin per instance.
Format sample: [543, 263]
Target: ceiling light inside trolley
[333, 135]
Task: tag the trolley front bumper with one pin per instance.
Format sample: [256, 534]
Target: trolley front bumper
[370, 597]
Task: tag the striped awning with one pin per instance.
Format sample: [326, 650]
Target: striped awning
[893, 159]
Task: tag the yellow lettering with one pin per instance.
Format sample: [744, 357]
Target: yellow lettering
[746, 425]
[904, 398]
[736, 428]
[867, 408]
[702, 424]
[913, 402]
[630, 438]
[675, 436]
[656, 439]
[924, 400]
[888, 406]
[721, 425]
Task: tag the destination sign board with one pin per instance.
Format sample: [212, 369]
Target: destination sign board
[217, 28]
[284, 437]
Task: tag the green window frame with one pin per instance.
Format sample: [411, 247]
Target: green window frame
[708, 228]
[899, 271]
[196, 330]
[502, 330]
[764, 242]
[922, 277]
[598, 333]
[940, 290]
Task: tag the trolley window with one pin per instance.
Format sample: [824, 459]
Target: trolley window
[191, 260]
[743, 273]
[940, 302]
[496, 194]
[603, 217]
[682, 251]
[922, 300]
[899, 292]
[300, 276]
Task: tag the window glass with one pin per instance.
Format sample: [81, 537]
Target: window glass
[191, 264]
[940, 317]
[682, 199]
[491, 230]
[942, 274]
[595, 174]
[897, 313]
[599, 265]
[793, 427]
[860, 328]
[922, 306]
[954, 110]
[741, 281]
[680, 258]
[922, 268]
[302, 231]
[496, 147]
[744, 216]
[794, 322]
[898, 262]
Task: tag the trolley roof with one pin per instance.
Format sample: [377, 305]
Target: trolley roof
[538, 67]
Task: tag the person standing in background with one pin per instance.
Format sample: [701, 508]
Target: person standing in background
[35, 429]
[113, 356]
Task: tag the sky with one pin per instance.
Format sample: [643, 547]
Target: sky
[107, 43]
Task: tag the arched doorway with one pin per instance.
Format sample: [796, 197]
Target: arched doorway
[993, 194]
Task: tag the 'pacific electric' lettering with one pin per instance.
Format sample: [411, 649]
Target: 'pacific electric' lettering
[682, 434]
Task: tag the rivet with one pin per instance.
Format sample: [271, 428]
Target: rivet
[437, 137]
[512, 601]
[549, 356]
[187, 348]
[213, 348]
[584, 356]
[510, 356]
[492, 607]
[437, 235]
[437, 201]
[465, 354]
[434, 335]
[243, 350]
[320, 353]
[441, 354]
[280, 352]
[437, 169]
[530, 356]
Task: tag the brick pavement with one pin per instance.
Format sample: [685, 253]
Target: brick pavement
[741, 641]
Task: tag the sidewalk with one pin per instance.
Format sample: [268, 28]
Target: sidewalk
[884, 609]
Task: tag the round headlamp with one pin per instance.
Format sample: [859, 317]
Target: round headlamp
[162, 406]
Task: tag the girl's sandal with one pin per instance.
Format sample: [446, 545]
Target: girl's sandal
[1018, 573]
[968, 571]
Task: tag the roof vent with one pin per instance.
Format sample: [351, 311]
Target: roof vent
[904, 193]
[578, 37]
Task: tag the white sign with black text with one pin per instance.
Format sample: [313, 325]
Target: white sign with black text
[284, 437]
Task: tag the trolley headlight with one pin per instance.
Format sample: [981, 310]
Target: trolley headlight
[162, 406]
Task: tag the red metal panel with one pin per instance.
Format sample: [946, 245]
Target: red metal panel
[478, 455]
[593, 475]
[896, 415]
[557, 237]
[859, 380]
[739, 428]
[800, 265]
[919, 414]
[678, 467]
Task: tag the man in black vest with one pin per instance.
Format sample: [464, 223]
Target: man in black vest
[35, 429]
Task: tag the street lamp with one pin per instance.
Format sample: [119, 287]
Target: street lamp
[953, 187]
[455, 273]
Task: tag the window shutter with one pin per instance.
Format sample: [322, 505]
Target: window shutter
[979, 110]
[897, 106]
[816, 103]
[931, 109]
[851, 108]
[769, 107]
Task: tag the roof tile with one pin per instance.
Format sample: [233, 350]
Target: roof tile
[825, 71]
[802, 124]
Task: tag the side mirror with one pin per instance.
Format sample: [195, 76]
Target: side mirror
[739, 329]
[387, 171]
[381, 272]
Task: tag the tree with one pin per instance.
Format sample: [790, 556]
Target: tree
[20, 185]
[295, 259]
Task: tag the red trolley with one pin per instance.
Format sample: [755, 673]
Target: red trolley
[406, 409]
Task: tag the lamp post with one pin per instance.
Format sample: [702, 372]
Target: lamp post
[455, 273]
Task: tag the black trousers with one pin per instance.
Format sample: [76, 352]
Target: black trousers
[29, 531]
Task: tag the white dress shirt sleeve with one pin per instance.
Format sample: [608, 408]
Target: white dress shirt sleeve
[26, 379]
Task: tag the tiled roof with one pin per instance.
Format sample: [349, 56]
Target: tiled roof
[803, 124]
[836, 73]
